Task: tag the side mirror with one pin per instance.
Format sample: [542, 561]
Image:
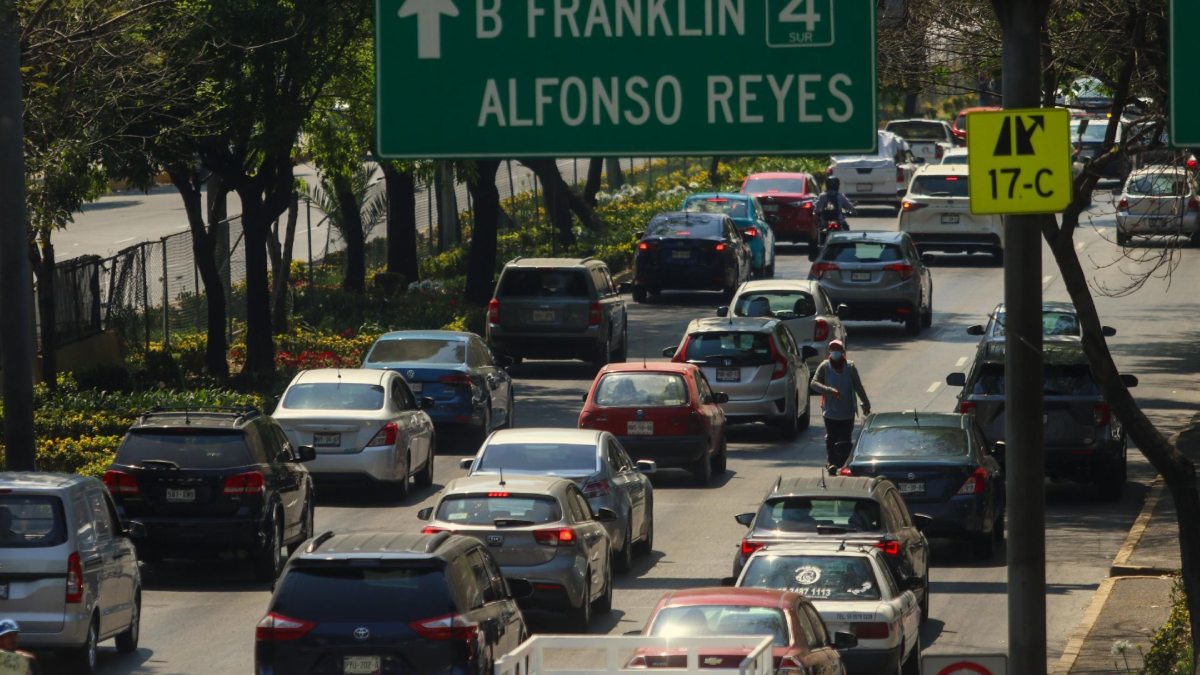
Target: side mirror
[605, 515]
[669, 352]
[900, 193]
[306, 453]
[426, 403]
[956, 379]
[1108, 331]
[844, 640]
[843, 310]
[728, 581]
[465, 463]
[504, 361]
[744, 519]
[647, 466]
[999, 451]
[720, 397]
[928, 259]
[977, 329]
[807, 352]
[723, 310]
[1129, 380]
[135, 529]
[625, 287]
[921, 521]
[519, 589]
[425, 513]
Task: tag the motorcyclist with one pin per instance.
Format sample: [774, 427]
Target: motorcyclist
[833, 205]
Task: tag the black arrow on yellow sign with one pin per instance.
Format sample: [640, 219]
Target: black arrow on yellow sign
[1024, 144]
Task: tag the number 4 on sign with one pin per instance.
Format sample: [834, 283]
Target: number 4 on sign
[793, 13]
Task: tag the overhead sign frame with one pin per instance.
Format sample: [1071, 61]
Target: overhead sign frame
[1020, 161]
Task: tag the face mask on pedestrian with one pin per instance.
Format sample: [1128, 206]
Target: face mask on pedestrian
[837, 357]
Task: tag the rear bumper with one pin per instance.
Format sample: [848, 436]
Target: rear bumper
[876, 309]
[1131, 223]
[773, 406]
[73, 633]
[958, 516]
[871, 661]
[545, 345]
[699, 277]
[666, 450]
[1082, 463]
[558, 585]
[198, 533]
[955, 242]
[367, 464]
[792, 227]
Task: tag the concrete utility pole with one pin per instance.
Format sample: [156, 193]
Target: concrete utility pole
[1023, 427]
[16, 282]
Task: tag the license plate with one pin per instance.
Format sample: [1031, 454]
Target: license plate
[361, 665]
[729, 374]
[681, 255]
[949, 218]
[174, 495]
[639, 428]
[860, 276]
[911, 488]
[770, 208]
[416, 387]
[866, 187]
[3, 591]
[543, 315]
[327, 440]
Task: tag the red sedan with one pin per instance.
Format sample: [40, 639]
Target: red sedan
[802, 643]
[787, 200]
[666, 412]
[959, 128]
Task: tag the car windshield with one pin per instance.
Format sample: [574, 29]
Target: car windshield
[861, 252]
[646, 389]
[914, 441]
[1158, 185]
[804, 514]
[816, 577]
[791, 185]
[734, 208]
[31, 521]
[425, 350]
[1054, 322]
[918, 131]
[486, 509]
[780, 304]
[333, 396]
[678, 226]
[741, 349]
[704, 620]
[550, 458]
[1057, 380]
[940, 186]
[543, 283]
[359, 595]
[187, 449]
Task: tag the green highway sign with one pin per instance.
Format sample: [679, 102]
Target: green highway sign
[563, 78]
[1185, 96]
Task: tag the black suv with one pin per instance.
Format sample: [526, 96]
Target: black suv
[386, 602]
[839, 509]
[211, 480]
[558, 308]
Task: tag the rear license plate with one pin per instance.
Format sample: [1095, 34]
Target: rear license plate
[770, 208]
[327, 440]
[639, 428]
[174, 495]
[911, 488]
[860, 276]
[729, 374]
[865, 187]
[544, 315]
[416, 387]
[3, 591]
[681, 255]
[362, 665]
[949, 218]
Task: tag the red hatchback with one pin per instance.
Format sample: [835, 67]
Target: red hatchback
[802, 643]
[787, 200]
[666, 412]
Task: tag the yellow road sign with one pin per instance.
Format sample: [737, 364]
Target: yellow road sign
[1020, 160]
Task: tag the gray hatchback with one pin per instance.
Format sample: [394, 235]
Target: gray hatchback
[879, 276]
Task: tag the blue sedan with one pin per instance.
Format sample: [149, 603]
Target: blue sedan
[470, 387]
[747, 215]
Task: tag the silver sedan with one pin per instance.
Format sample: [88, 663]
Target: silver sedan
[802, 306]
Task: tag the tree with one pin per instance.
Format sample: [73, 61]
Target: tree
[354, 208]
[400, 185]
[481, 256]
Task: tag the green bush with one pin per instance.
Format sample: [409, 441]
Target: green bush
[1171, 650]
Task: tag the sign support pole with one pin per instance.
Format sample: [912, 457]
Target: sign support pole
[1025, 456]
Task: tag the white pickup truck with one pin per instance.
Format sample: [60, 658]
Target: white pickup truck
[881, 178]
[928, 139]
[604, 654]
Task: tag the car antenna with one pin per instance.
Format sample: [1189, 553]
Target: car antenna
[501, 476]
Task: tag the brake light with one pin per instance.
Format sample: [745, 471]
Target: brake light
[820, 330]
[781, 363]
[819, 269]
[845, 471]
[276, 627]
[966, 408]
[975, 483]
[912, 206]
[951, 179]
[434, 529]
[645, 246]
[694, 424]
[716, 200]
[749, 547]
[1101, 414]
[555, 536]
[871, 630]
[120, 483]
[1191, 163]
[598, 488]
[456, 379]
[245, 483]
[807, 205]
[829, 170]
[891, 548]
[499, 495]
[903, 269]
[1123, 205]
[447, 627]
[74, 578]
[719, 247]
[750, 232]
[493, 311]
[637, 662]
[386, 436]
[585, 420]
[595, 314]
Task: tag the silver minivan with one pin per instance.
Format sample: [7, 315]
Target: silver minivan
[68, 570]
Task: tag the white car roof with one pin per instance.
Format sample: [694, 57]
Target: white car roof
[344, 375]
[760, 285]
[944, 169]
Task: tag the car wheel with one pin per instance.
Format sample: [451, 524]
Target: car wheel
[622, 351]
[269, 559]
[424, 477]
[306, 529]
[602, 354]
[83, 658]
[623, 559]
[927, 315]
[769, 272]
[1110, 483]
[983, 545]
[998, 257]
[912, 323]
[646, 545]
[720, 461]
[925, 603]
[702, 470]
[579, 618]
[814, 248]
[639, 294]
[805, 419]
[604, 602]
[127, 640]
[789, 426]
[912, 665]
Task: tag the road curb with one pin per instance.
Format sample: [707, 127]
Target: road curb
[1088, 621]
[1120, 565]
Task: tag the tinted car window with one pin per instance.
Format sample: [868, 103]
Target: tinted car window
[734, 208]
[862, 252]
[795, 185]
[571, 458]
[742, 348]
[537, 283]
[334, 396]
[414, 349]
[685, 227]
[486, 510]
[641, 389]
[804, 514]
[814, 577]
[189, 449]
[364, 595]
[1056, 380]
[32, 521]
[912, 442]
[782, 304]
[918, 131]
[702, 620]
[1158, 185]
[940, 186]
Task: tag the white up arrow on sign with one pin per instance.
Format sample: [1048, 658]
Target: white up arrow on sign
[429, 24]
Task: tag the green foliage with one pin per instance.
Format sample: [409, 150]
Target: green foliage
[1171, 650]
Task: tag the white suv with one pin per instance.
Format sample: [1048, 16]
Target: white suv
[936, 213]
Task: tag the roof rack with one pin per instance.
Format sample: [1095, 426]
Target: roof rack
[321, 539]
[243, 411]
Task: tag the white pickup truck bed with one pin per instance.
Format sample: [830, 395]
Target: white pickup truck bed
[604, 654]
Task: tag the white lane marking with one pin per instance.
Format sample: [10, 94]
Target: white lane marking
[122, 241]
[1047, 279]
[960, 362]
[1080, 246]
[933, 387]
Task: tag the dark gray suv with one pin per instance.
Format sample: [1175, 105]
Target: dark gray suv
[558, 308]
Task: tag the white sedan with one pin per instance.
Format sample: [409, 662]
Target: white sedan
[1158, 201]
[854, 592]
[802, 306]
[364, 424]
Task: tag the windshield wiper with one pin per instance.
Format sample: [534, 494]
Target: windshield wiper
[161, 463]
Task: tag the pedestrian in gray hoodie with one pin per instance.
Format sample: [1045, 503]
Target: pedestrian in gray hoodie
[840, 387]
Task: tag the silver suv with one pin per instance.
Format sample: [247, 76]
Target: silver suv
[879, 276]
[70, 573]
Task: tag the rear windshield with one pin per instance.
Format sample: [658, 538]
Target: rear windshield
[862, 252]
[642, 390]
[955, 158]
[541, 457]
[702, 620]
[804, 514]
[1096, 129]
[360, 595]
[423, 350]
[917, 131]
[532, 283]
[912, 442]
[740, 349]
[1053, 323]
[1158, 185]
[333, 396]
[192, 449]
[1058, 380]
[940, 186]
[684, 227]
[734, 208]
[31, 521]
[813, 576]
[779, 304]
[792, 185]
[486, 509]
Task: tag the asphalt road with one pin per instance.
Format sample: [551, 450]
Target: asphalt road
[199, 617]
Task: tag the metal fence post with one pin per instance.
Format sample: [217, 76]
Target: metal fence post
[166, 321]
[308, 216]
[145, 297]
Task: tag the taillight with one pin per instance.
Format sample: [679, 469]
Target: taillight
[1191, 163]
[781, 363]
[447, 627]
[434, 529]
[975, 483]
[555, 536]
[966, 407]
[695, 425]
[493, 311]
[74, 578]
[871, 630]
[456, 379]
[903, 269]
[1123, 205]
[247, 483]
[899, 175]
[386, 436]
[911, 205]
[276, 627]
[637, 662]
[585, 420]
[643, 246]
[120, 483]
[808, 206]
[891, 548]
[749, 547]
[845, 471]
[750, 232]
[829, 170]
[820, 330]
[595, 314]
[788, 665]
[1101, 414]
[719, 247]
[597, 488]
[819, 269]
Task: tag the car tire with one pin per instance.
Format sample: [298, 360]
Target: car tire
[424, 477]
[927, 315]
[789, 426]
[268, 560]
[1110, 483]
[805, 419]
[623, 559]
[604, 603]
[983, 545]
[769, 270]
[912, 323]
[998, 257]
[814, 249]
[639, 294]
[646, 545]
[127, 640]
[912, 665]
[720, 461]
[602, 354]
[82, 659]
[579, 618]
[925, 603]
[306, 529]
[622, 351]
[702, 471]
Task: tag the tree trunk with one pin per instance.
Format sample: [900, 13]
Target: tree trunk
[714, 173]
[204, 252]
[401, 189]
[447, 208]
[283, 272]
[260, 347]
[556, 193]
[354, 279]
[616, 176]
[481, 257]
[594, 174]
[44, 266]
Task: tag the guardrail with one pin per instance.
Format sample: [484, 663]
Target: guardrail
[531, 657]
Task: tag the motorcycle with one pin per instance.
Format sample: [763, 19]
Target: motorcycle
[826, 223]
